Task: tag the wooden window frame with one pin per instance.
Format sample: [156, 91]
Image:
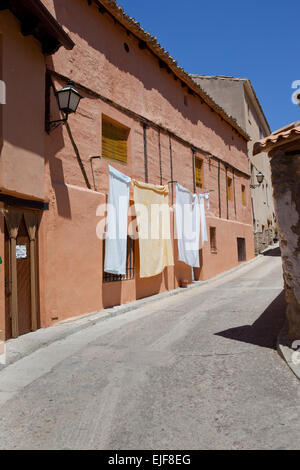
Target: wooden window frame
[199, 183]
[116, 151]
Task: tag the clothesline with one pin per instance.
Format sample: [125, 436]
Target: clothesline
[200, 194]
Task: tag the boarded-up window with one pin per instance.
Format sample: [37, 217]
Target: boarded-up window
[114, 140]
[229, 189]
[198, 172]
[244, 195]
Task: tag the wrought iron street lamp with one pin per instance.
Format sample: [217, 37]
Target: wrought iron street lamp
[68, 99]
[260, 179]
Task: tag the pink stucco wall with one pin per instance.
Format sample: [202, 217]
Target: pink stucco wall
[135, 81]
[23, 116]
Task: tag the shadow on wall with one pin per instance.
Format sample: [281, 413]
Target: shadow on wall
[100, 39]
[265, 329]
[55, 143]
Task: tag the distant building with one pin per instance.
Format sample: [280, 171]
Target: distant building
[238, 98]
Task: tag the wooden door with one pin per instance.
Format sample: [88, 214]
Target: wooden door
[24, 284]
[21, 272]
[8, 286]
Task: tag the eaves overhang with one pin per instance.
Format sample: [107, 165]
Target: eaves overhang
[36, 20]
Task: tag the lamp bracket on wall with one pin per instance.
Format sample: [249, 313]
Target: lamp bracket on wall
[51, 125]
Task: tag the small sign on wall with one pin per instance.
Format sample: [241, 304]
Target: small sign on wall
[21, 251]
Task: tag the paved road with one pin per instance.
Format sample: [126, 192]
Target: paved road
[194, 371]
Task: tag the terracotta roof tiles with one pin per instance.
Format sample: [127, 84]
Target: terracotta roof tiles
[282, 136]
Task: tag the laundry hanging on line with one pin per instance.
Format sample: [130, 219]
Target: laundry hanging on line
[188, 226]
[156, 250]
[153, 221]
[117, 223]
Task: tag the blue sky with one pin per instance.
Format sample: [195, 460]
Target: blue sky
[255, 39]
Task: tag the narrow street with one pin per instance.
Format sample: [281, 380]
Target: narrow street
[197, 370]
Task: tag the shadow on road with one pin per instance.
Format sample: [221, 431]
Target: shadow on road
[272, 252]
[265, 329]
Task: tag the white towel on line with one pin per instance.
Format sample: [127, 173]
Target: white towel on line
[117, 223]
[188, 226]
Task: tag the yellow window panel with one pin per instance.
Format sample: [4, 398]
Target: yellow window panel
[198, 172]
[114, 141]
[244, 195]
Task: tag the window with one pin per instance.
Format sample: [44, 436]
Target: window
[229, 189]
[244, 202]
[114, 140]
[241, 246]
[213, 240]
[130, 267]
[198, 172]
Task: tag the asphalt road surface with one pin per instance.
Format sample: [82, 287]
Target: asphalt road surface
[194, 371]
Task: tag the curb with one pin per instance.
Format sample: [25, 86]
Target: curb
[286, 351]
[28, 344]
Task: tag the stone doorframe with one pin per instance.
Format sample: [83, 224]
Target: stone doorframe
[13, 218]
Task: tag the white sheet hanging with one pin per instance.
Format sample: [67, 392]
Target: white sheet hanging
[188, 226]
[203, 233]
[117, 223]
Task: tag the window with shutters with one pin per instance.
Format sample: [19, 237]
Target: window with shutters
[199, 172]
[114, 140]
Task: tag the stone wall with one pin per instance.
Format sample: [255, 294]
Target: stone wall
[286, 185]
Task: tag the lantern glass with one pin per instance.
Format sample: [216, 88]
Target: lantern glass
[260, 177]
[68, 99]
[74, 101]
[63, 99]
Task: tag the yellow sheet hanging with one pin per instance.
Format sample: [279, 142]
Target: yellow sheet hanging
[153, 221]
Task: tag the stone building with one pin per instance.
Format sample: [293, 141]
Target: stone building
[283, 147]
[54, 176]
[238, 98]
